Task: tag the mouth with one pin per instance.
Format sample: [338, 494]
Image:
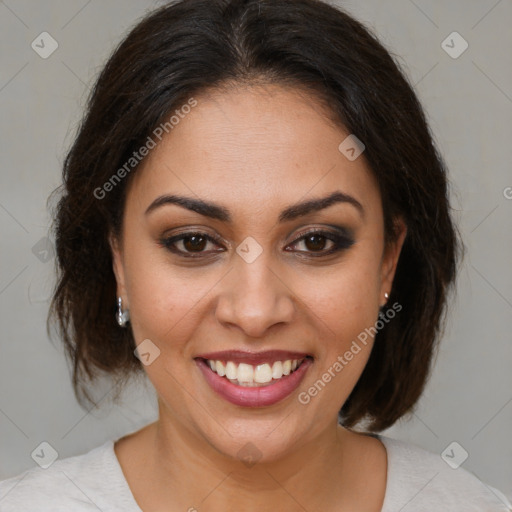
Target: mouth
[259, 380]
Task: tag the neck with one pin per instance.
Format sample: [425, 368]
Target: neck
[189, 472]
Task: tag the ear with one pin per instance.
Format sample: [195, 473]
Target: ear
[390, 258]
[118, 267]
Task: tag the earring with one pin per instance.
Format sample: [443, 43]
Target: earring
[386, 296]
[122, 317]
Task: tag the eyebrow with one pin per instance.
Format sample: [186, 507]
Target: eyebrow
[218, 212]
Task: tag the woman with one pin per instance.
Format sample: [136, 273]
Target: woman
[255, 216]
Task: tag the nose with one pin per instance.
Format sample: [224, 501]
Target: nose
[254, 297]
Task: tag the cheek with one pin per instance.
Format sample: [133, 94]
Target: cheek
[345, 309]
[345, 297]
[159, 296]
[344, 304]
[162, 303]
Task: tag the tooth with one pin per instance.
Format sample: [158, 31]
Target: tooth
[245, 373]
[231, 371]
[220, 368]
[263, 373]
[277, 370]
[249, 375]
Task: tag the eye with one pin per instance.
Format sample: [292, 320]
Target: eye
[193, 244]
[316, 240]
[186, 244]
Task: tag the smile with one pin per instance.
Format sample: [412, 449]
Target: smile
[254, 375]
[254, 385]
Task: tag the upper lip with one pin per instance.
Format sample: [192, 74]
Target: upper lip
[254, 358]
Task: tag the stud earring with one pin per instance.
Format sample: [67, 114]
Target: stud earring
[386, 296]
[122, 317]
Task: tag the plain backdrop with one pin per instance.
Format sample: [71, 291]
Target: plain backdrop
[468, 100]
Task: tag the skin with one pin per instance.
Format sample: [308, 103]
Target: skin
[255, 151]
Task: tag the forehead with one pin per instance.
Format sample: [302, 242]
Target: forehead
[254, 147]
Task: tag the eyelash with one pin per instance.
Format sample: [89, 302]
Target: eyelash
[340, 242]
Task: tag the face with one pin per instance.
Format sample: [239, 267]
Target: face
[240, 267]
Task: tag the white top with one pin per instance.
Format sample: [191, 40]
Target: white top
[417, 481]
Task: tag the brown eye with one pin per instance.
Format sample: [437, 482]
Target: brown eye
[194, 243]
[190, 244]
[315, 242]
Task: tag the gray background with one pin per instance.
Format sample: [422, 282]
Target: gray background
[469, 104]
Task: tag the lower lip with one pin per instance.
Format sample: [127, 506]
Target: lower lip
[254, 396]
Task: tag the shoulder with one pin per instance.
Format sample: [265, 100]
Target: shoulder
[74, 483]
[420, 480]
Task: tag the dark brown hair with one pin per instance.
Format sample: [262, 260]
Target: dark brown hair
[190, 46]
